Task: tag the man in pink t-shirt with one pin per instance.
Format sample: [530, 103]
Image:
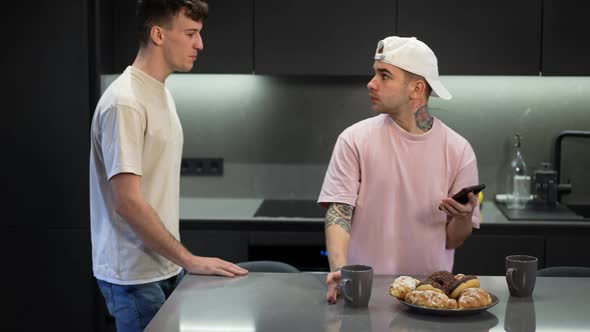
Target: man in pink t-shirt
[390, 178]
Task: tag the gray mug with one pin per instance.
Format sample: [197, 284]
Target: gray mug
[356, 284]
[521, 274]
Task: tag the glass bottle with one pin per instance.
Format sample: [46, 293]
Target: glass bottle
[520, 190]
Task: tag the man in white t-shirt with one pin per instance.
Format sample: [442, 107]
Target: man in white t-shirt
[136, 151]
[390, 178]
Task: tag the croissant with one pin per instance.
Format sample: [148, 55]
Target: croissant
[431, 299]
[474, 298]
[402, 285]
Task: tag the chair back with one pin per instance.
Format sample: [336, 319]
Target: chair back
[565, 271]
[268, 266]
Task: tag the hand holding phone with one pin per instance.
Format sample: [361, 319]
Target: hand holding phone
[461, 196]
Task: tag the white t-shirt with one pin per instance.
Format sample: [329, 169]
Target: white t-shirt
[396, 181]
[135, 129]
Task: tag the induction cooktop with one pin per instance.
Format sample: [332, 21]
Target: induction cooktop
[290, 208]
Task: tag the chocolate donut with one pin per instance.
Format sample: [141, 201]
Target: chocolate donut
[442, 280]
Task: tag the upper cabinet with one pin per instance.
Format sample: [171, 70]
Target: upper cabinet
[328, 37]
[227, 38]
[125, 42]
[566, 50]
[339, 37]
[501, 37]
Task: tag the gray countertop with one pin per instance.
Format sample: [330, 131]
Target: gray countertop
[229, 209]
[195, 209]
[296, 302]
[192, 208]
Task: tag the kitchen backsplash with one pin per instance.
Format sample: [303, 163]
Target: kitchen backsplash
[276, 134]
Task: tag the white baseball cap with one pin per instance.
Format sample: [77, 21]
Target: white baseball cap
[412, 55]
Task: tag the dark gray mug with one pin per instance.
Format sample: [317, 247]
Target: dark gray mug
[356, 284]
[521, 274]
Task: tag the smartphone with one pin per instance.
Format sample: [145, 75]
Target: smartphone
[461, 196]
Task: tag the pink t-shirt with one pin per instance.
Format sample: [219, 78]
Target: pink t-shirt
[396, 180]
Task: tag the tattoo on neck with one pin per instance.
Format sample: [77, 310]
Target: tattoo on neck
[424, 120]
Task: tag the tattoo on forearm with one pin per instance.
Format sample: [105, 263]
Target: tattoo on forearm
[339, 214]
[423, 118]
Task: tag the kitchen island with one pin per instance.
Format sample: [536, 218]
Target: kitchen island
[296, 302]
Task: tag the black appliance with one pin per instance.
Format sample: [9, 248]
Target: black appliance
[546, 186]
[290, 208]
[548, 191]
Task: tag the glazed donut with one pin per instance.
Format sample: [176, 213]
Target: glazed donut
[441, 280]
[464, 283]
[425, 287]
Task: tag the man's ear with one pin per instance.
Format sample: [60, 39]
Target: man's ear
[418, 88]
[157, 35]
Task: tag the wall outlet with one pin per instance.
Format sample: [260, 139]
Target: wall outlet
[202, 166]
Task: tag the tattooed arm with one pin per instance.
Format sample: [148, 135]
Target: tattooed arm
[338, 222]
[338, 219]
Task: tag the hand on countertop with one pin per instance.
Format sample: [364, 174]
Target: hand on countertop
[214, 266]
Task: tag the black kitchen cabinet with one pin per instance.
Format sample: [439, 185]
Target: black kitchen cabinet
[26, 289]
[228, 245]
[339, 37]
[227, 37]
[45, 240]
[298, 243]
[47, 117]
[122, 44]
[70, 280]
[568, 250]
[330, 37]
[305, 250]
[499, 37]
[486, 254]
[565, 38]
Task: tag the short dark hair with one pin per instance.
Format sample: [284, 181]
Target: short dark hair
[160, 12]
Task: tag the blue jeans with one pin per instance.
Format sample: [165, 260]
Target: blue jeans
[134, 306]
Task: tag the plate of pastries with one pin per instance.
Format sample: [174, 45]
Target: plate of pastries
[443, 293]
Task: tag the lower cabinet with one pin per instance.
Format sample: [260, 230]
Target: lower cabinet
[483, 253]
[228, 245]
[486, 254]
[67, 281]
[304, 250]
[28, 282]
[567, 250]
